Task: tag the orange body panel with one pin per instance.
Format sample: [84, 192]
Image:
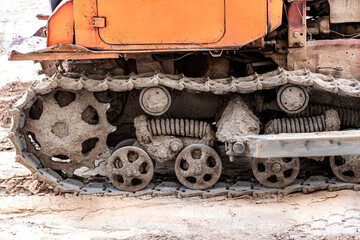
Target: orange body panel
[61, 25]
[162, 21]
[171, 25]
[275, 14]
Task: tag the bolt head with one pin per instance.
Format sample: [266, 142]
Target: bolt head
[176, 145]
[129, 172]
[276, 167]
[238, 148]
[197, 170]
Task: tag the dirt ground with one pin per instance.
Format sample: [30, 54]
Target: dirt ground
[28, 210]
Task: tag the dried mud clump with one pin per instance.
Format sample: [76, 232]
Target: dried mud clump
[23, 185]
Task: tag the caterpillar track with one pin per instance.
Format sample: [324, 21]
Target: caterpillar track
[59, 171]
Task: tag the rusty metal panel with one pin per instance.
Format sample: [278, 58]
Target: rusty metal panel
[297, 24]
[303, 144]
[34, 48]
[340, 58]
[344, 11]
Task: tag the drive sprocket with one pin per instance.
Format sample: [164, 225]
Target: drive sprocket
[66, 130]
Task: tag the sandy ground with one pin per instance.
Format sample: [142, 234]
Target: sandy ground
[29, 211]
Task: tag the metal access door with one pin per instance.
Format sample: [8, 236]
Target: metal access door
[137, 22]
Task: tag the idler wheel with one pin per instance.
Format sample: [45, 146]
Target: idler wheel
[130, 169]
[155, 100]
[346, 168]
[198, 167]
[276, 172]
[292, 99]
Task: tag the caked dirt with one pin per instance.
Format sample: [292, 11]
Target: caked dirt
[31, 210]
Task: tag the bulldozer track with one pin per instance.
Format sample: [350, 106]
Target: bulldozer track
[256, 82]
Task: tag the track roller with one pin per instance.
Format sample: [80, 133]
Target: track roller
[276, 172]
[346, 168]
[130, 169]
[198, 167]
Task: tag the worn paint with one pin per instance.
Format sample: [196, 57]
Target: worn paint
[61, 25]
[297, 24]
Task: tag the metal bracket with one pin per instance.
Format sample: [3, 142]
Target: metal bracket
[297, 24]
[334, 143]
[99, 22]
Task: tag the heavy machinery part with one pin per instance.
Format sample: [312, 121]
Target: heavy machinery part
[346, 168]
[130, 169]
[237, 120]
[54, 4]
[292, 99]
[179, 127]
[155, 100]
[300, 144]
[348, 117]
[343, 12]
[180, 25]
[124, 143]
[61, 23]
[159, 136]
[328, 122]
[335, 58]
[276, 172]
[163, 148]
[60, 119]
[256, 145]
[198, 167]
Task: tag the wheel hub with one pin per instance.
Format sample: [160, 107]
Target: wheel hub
[130, 171]
[276, 168]
[197, 170]
[60, 129]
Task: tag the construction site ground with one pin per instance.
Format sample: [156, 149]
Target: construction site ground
[30, 210]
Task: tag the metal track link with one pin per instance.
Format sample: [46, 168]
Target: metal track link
[75, 82]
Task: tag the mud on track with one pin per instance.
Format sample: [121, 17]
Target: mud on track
[30, 210]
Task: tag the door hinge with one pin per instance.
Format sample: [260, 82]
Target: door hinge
[99, 22]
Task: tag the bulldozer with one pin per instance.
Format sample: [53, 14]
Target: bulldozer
[192, 85]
